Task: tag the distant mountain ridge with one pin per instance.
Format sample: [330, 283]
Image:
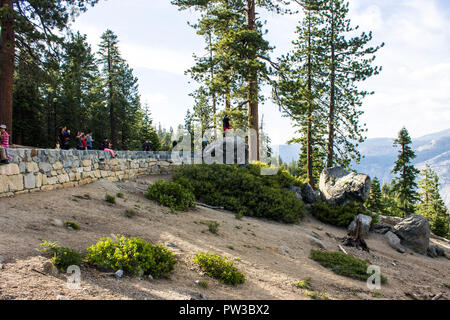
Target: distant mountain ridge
[380, 156]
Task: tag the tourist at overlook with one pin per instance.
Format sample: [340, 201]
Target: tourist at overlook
[4, 159]
[64, 138]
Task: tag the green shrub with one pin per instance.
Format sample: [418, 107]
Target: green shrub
[130, 213]
[132, 255]
[172, 195]
[219, 268]
[63, 257]
[213, 226]
[339, 215]
[73, 225]
[109, 198]
[343, 264]
[303, 284]
[243, 190]
[203, 284]
[120, 195]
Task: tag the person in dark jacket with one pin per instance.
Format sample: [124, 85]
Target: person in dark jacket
[226, 124]
[64, 138]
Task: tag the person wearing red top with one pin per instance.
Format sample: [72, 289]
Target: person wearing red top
[4, 145]
[83, 141]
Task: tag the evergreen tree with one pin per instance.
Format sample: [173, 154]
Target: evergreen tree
[390, 202]
[431, 205]
[349, 62]
[31, 26]
[404, 185]
[375, 201]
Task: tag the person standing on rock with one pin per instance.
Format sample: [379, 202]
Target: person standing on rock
[226, 124]
[4, 159]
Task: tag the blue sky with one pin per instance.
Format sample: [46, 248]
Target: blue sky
[413, 90]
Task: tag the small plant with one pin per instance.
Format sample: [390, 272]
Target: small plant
[303, 284]
[87, 196]
[314, 295]
[213, 226]
[238, 227]
[203, 284]
[343, 264]
[129, 213]
[132, 255]
[120, 195]
[70, 224]
[111, 199]
[447, 285]
[239, 215]
[220, 268]
[172, 195]
[63, 257]
[230, 247]
[376, 294]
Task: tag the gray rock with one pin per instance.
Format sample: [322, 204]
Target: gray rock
[339, 186]
[61, 297]
[230, 150]
[309, 194]
[414, 233]
[364, 222]
[394, 242]
[118, 274]
[389, 220]
[57, 223]
[382, 228]
[431, 252]
[317, 243]
[297, 191]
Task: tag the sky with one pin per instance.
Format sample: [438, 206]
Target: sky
[413, 90]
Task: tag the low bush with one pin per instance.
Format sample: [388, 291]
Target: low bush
[71, 224]
[63, 257]
[243, 190]
[213, 226]
[132, 255]
[339, 215]
[172, 195]
[109, 198]
[343, 264]
[219, 268]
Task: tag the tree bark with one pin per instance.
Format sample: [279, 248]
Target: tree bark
[112, 121]
[309, 167]
[331, 115]
[7, 52]
[253, 141]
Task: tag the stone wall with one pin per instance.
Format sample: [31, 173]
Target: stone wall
[32, 170]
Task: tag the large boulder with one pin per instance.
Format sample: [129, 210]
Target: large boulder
[414, 233]
[339, 186]
[364, 222]
[394, 242]
[309, 194]
[229, 150]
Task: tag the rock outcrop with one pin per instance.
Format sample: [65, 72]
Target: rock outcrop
[339, 186]
[414, 233]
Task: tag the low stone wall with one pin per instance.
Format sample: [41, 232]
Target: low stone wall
[32, 170]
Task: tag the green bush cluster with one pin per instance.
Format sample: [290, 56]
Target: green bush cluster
[132, 255]
[171, 194]
[109, 198]
[243, 190]
[219, 268]
[63, 257]
[339, 215]
[343, 264]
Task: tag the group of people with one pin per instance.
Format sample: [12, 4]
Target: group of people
[83, 141]
[4, 146]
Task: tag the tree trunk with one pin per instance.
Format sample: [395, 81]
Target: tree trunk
[7, 51]
[309, 167]
[331, 115]
[253, 141]
[112, 121]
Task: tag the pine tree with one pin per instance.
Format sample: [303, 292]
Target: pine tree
[431, 205]
[375, 201]
[349, 62]
[299, 87]
[30, 26]
[390, 202]
[404, 185]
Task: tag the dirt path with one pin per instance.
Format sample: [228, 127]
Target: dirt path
[271, 255]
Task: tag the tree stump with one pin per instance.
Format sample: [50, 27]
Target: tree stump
[354, 239]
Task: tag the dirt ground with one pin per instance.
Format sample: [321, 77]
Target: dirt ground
[271, 255]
